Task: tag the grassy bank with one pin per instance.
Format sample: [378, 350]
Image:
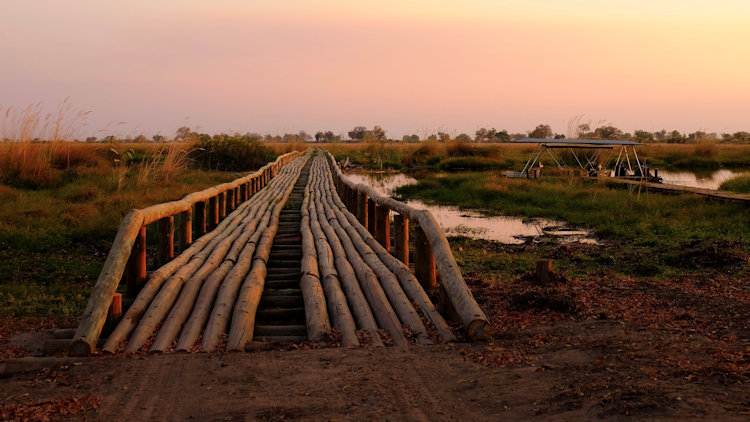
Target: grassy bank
[656, 234]
[61, 205]
[454, 155]
[739, 184]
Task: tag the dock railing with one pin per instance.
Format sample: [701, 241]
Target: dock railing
[431, 248]
[127, 257]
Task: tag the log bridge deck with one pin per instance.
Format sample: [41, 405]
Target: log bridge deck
[294, 251]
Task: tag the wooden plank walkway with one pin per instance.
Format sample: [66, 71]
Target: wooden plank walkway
[677, 189]
[285, 260]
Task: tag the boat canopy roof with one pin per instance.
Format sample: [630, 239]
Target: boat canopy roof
[572, 142]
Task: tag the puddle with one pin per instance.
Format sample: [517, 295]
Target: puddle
[475, 224]
[709, 180]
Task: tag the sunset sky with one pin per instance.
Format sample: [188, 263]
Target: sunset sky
[409, 66]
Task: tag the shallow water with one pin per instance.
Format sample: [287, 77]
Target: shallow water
[708, 180]
[474, 224]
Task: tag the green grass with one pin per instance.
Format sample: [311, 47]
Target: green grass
[739, 184]
[53, 241]
[650, 229]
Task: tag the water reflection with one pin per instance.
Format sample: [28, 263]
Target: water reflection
[474, 224]
[709, 180]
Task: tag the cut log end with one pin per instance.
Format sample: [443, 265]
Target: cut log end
[80, 348]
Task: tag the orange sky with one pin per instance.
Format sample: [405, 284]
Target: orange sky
[454, 66]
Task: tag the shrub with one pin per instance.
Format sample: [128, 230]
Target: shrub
[739, 184]
[230, 153]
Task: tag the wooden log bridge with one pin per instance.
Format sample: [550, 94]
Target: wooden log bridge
[276, 255]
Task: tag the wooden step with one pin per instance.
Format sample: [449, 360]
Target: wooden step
[280, 330]
[281, 301]
[275, 314]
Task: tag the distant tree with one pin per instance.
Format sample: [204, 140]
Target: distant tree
[326, 136]
[675, 137]
[541, 132]
[502, 136]
[357, 133]
[643, 136]
[443, 137]
[485, 135]
[559, 136]
[140, 139]
[463, 138]
[378, 134]
[91, 139]
[410, 138]
[304, 136]
[432, 137]
[660, 136]
[182, 133]
[607, 132]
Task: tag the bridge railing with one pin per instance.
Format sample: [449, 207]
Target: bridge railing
[431, 248]
[127, 257]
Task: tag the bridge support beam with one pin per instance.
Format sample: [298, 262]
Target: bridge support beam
[362, 208]
[401, 240]
[136, 273]
[372, 218]
[424, 260]
[383, 227]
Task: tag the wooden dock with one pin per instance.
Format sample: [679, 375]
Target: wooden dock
[292, 252]
[677, 189]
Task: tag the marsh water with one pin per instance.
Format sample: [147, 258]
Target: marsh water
[475, 224]
[704, 180]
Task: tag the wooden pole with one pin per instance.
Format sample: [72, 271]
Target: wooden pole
[243, 193]
[362, 208]
[166, 240]
[186, 229]
[230, 201]
[424, 260]
[222, 205]
[213, 212]
[200, 218]
[401, 247]
[383, 227]
[372, 218]
[137, 264]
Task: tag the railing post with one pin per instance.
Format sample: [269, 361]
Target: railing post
[186, 228]
[230, 201]
[136, 274]
[362, 208]
[424, 260]
[166, 239]
[200, 218]
[401, 246]
[243, 192]
[383, 227]
[213, 212]
[222, 205]
[372, 217]
[236, 197]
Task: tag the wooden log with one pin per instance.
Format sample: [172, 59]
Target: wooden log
[336, 302]
[372, 218]
[213, 212]
[316, 314]
[179, 268]
[362, 208]
[136, 275]
[186, 229]
[200, 218]
[224, 254]
[222, 202]
[383, 227]
[56, 345]
[326, 237]
[221, 312]
[248, 298]
[29, 364]
[214, 271]
[544, 271]
[408, 281]
[243, 193]
[95, 313]
[424, 260]
[94, 316]
[231, 201]
[388, 281]
[166, 240]
[401, 241]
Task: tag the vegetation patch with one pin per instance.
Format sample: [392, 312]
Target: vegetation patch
[739, 184]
